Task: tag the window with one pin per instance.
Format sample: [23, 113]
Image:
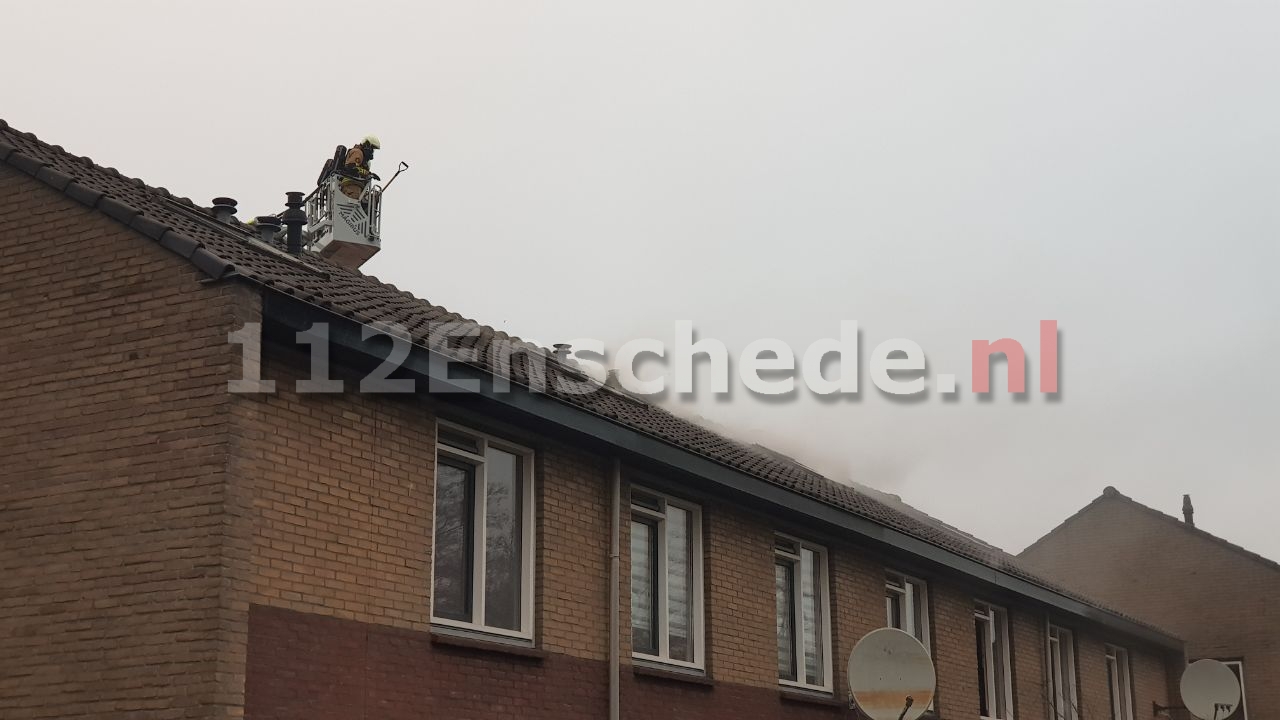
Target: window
[666, 579]
[482, 569]
[995, 695]
[1120, 684]
[1242, 712]
[1062, 674]
[906, 605]
[804, 635]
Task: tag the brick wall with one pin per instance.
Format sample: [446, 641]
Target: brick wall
[954, 644]
[1028, 643]
[340, 569]
[1223, 602]
[113, 359]
[740, 600]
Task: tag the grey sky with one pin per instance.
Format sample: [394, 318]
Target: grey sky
[940, 171]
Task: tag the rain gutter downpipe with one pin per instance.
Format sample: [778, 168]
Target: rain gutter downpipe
[615, 563]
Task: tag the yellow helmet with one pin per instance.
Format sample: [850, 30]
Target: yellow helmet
[372, 141]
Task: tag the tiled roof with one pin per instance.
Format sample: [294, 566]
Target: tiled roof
[223, 250]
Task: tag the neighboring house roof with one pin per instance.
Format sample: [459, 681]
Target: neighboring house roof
[224, 250]
[1110, 494]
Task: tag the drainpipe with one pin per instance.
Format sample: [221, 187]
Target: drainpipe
[615, 563]
[1046, 666]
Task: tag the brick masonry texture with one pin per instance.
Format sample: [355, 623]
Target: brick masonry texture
[113, 444]
[171, 550]
[1224, 602]
[341, 533]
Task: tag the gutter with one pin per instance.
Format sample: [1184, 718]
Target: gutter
[445, 374]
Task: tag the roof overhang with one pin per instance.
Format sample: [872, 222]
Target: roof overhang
[283, 313]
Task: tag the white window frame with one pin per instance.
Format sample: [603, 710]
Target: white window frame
[1060, 645]
[1244, 704]
[998, 623]
[797, 605]
[664, 617]
[1121, 679]
[528, 519]
[914, 593]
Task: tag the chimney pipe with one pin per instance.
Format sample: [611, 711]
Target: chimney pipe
[562, 352]
[293, 218]
[224, 209]
[268, 226]
[1188, 512]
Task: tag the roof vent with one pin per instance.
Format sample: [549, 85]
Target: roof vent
[224, 209]
[268, 226]
[562, 352]
[293, 218]
[1188, 512]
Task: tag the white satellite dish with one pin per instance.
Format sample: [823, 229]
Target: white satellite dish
[1210, 691]
[891, 675]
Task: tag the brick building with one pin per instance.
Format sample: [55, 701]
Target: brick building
[1224, 600]
[172, 549]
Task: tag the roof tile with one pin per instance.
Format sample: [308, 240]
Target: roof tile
[118, 210]
[83, 194]
[150, 227]
[24, 162]
[179, 243]
[212, 265]
[54, 179]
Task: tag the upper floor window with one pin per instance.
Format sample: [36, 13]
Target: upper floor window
[804, 635]
[1242, 710]
[906, 605]
[995, 687]
[1062, 674]
[666, 579]
[1119, 682]
[482, 569]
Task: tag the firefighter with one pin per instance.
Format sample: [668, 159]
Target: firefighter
[355, 168]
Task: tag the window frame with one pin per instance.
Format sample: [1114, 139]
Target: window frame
[1244, 698]
[822, 571]
[1064, 683]
[528, 534]
[1120, 681]
[914, 592]
[998, 619]
[696, 615]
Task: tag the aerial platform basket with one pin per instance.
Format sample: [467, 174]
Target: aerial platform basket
[343, 229]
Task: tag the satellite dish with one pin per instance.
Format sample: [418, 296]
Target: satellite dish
[891, 675]
[1210, 690]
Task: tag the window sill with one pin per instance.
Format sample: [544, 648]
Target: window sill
[810, 697]
[471, 641]
[693, 677]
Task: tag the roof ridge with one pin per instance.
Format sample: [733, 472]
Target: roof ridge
[1195, 530]
[1106, 493]
[89, 162]
[183, 245]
